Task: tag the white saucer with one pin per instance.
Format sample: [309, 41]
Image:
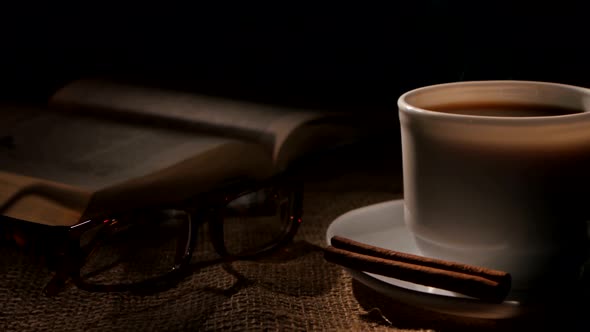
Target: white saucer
[382, 225]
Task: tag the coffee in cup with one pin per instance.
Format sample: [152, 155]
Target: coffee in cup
[497, 174]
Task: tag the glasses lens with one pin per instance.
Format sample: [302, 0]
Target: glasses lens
[136, 249]
[256, 221]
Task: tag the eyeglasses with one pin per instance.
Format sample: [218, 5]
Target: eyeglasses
[148, 247]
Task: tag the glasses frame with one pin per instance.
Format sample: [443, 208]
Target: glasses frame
[67, 256]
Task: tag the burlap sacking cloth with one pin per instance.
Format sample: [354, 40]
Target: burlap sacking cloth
[292, 290]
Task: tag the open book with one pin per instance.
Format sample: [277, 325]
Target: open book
[103, 146]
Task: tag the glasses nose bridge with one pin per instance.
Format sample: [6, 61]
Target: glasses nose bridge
[210, 215]
[213, 217]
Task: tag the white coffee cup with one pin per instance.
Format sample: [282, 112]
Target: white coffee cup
[504, 192]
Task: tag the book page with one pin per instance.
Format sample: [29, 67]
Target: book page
[41, 201]
[300, 135]
[261, 123]
[90, 153]
[52, 163]
[287, 134]
[57, 167]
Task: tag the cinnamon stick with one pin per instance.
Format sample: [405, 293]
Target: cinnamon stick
[482, 283]
[363, 248]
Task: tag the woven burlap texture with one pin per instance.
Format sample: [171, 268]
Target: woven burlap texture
[292, 290]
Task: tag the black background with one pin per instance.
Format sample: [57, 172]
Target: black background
[359, 57]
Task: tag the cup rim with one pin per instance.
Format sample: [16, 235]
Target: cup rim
[407, 108]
